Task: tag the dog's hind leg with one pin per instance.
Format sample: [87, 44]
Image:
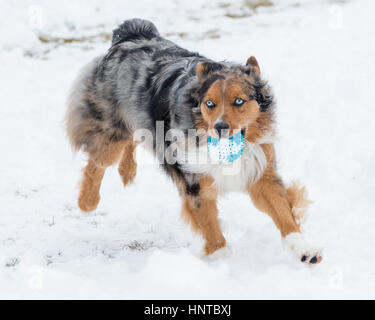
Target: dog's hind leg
[200, 209]
[128, 166]
[93, 173]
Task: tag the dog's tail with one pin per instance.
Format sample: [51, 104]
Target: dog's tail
[297, 197]
[80, 120]
[134, 29]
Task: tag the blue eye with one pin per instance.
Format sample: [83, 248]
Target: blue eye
[238, 102]
[210, 104]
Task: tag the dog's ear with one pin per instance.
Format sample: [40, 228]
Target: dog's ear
[252, 63]
[205, 69]
[201, 71]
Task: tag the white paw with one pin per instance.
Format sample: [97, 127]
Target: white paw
[302, 250]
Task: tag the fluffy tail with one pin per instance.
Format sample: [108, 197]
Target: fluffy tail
[134, 29]
[297, 197]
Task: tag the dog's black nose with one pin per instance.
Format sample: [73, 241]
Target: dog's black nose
[222, 128]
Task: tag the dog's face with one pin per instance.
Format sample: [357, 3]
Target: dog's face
[230, 100]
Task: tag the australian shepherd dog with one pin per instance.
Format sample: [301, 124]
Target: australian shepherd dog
[145, 83]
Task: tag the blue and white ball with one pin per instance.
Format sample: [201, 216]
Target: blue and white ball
[226, 150]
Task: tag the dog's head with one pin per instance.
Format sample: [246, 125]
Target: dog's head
[234, 98]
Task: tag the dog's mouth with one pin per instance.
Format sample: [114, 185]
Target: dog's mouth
[243, 132]
[225, 134]
[222, 134]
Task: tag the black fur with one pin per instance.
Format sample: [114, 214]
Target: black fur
[133, 30]
[207, 84]
[193, 190]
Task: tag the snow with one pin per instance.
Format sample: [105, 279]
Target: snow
[319, 57]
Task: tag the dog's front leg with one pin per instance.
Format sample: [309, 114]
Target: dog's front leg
[270, 196]
[200, 209]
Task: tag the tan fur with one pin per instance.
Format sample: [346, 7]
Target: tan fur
[270, 196]
[201, 70]
[253, 62]
[93, 173]
[107, 155]
[89, 196]
[202, 214]
[297, 197]
[256, 130]
[128, 166]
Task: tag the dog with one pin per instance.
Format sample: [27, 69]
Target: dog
[145, 80]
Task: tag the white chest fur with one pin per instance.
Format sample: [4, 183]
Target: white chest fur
[235, 176]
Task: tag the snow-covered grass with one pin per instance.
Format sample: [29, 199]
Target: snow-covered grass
[319, 57]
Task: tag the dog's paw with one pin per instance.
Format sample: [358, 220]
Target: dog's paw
[214, 246]
[128, 173]
[220, 254]
[302, 250]
[88, 200]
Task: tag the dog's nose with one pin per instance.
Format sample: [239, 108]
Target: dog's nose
[222, 128]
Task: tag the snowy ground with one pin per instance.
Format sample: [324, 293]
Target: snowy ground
[319, 56]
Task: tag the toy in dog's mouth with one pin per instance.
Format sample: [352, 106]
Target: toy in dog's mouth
[226, 150]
